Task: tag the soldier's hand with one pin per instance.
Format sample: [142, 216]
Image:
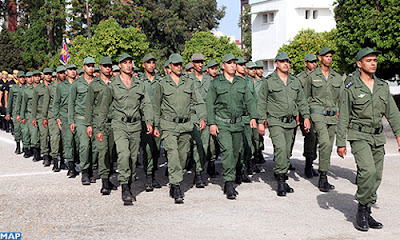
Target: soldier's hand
[298, 120]
[337, 116]
[253, 123]
[18, 118]
[45, 123]
[398, 142]
[307, 125]
[265, 123]
[214, 130]
[202, 125]
[1, 105]
[59, 123]
[99, 136]
[156, 133]
[341, 151]
[8, 117]
[149, 129]
[34, 123]
[89, 131]
[23, 121]
[72, 128]
[261, 129]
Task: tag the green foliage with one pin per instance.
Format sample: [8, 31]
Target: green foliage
[109, 40]
[212, 47]
[10, 58]
[245, 24]
[309, 41]
[372, 24]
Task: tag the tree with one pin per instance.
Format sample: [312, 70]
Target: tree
[212, 47]
[309, 41]
[372, 24]
[10, 58]
[245, 25]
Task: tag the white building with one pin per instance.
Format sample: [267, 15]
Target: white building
[276, 22]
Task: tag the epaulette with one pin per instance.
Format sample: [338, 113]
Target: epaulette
[348, 85]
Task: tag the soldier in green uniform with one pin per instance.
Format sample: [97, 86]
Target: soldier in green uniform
[281, 96]
[79, 72]
[124, 99]
[322, 89]
[26, 139]
[167, 70]
[12, 109]
[115, 70]
[212, 69]
[96, 71]
[105, 148]
[174, 98]
[76, 119]
[258, 139]
[27, 118]
[189, 68]
[365, 100]
[228, 98]
[310, 139]
[60, 110]
[150, 144]
[39, 115]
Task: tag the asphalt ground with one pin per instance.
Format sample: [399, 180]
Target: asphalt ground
[42, 204]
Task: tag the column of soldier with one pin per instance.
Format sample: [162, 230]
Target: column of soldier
[98, 114]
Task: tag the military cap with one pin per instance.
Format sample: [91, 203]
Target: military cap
[54, 74]
[240, 60]
[71, 66]
[260, 64]
[366, 51]
[80, 71]
[96, 68]
[21, 74]
[60, 69]
[325, 51]
[228, 57]
[4, 72]
[15, 71]
[310, 57]
[148, 57]
[105, 60]
[197, 57]
[36, 72]
[115, 68]
[204, 69]
[282, 56]
[28, 74]
[211, 63]
[88, 60]
[188, 66]
[124, 56]
[166, 63]
[251, 65]
[47, 70]
[175, 58]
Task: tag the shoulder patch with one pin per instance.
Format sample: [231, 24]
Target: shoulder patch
[348, 85]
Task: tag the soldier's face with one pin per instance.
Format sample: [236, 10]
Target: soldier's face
[96, 74]
[149, 66]
[198, 65]
[115, 73]
[282, 65]
[167, 70]
[326, 60]
[106, 69]
[259, 71]
[126, 66]
[47, 77]
[311, 65]
[230, 67]
[176, 68]
[21, 80]
[368, 64]
[61, 76]
[251, 72]
[241, 68]
[189, 71]
[89, 69]
[212, 71]
[71, 73]
[29, 80]
[36, 78]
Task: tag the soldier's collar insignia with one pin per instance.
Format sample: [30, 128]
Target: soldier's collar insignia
[361, 95]
[349, 84]
[317, 80]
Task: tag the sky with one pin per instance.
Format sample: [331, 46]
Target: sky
[229, 24]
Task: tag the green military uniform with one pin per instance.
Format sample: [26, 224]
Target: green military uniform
[26, 113]
[26, 139]
[12, 110]
[48, 113]
[38, 115]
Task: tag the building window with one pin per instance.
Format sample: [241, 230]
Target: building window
[315, 14]
[307, 14]
[268, 17]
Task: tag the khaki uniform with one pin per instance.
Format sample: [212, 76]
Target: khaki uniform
[26, 113]
[12, 110]
[26, 138]
[38, 115]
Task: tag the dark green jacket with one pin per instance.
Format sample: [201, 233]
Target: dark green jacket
[61, 99]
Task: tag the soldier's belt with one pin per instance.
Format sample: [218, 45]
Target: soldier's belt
[231, 121]
[323, 112]
[130, 119]
[285, 119]
[176, 120]
[77, 117]
[365, 129]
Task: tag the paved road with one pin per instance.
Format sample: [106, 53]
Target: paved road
[45, 205]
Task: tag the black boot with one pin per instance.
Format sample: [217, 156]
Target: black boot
[372, 223]
[56, 166]
[92, 175]
[149, 183]
[229, 190]
[198, 180]
[36, 155]
[62, 163]
[27, 153]
[211, 169]
[245, 177]
[46, 161]
[105, 188]
[291, 168]
[176, 193]
[155, 183]
[323, 183]
[85, 177]
[281, 179]
[308, 171]
[126, 194]
[362, 218]
[72, 173]
[18, 148]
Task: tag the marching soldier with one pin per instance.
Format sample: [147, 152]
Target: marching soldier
[212, 69]
[26, 139]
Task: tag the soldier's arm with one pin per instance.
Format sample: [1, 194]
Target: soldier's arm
[392, 115]
[89, 106]
[250, 101]
[262, 102]
[147, 107]
[56, 103]
[10, 104]
[71, 105]
[35, 99]
[302, 104]
[157, 106]
[307, 88]
[18, 103]
[199, 104]
[23, 105]
[106, 101]
[210, 105]
[344, 118]
[46, 102]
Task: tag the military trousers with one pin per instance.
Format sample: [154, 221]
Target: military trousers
[94, 155]
[84, 145]
[282, 140]
[325, 135]
[213, 149]
[231, 145]
[105, 151]
[248, 146]
[67, 139]
[177, 146]
[151, 150]
[33, 133]
[200, 142]
[44, 134]
[310, 142]
[26, 137]
[17, 130]
[55, 134]
[369, 160]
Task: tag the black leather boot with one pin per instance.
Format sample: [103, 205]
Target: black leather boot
[62, 163]
[92, 175]
[149, 183]
[308, 171]
[56, 166]
[245, 177]
[85, 177]
[27, 152]
[323, 183]
[18, 148]
[156, 184]
[281, 180]
[362, 218]
[36, 155]
[211, 169]
[198, 180]
[105, 187]
[71, 170]
[372, 223]
[126, 194]
[46, 161]
[230, 191]
[176, 193]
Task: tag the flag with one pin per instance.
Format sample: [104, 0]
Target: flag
[64, 55]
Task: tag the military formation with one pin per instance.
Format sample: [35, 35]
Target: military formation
[85, 120]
